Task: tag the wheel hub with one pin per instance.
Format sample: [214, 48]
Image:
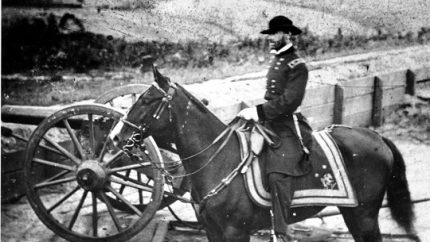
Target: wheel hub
[91, 175]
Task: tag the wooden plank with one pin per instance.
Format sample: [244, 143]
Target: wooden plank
[338, 105]
[358, 104]
[324, 111]
[410, 83]
[358, 87]
[392, 96]
[318, 95]
[358, 118]
[392, 79]
[320, 123]
[421, 73]
[377, 103]
[362, 86]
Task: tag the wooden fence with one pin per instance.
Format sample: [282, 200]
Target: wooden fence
[357, 102]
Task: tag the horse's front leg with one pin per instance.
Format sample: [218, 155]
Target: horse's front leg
[232, 233]
[214, 233]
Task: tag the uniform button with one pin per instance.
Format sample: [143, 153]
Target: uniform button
[278, 63]
[281, 59]
[273, 81]
[272, 86]
[272, 91]
[276, 68]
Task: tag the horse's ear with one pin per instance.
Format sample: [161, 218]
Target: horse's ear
[161, 80]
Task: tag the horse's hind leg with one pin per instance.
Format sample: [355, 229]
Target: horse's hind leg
[362, 222]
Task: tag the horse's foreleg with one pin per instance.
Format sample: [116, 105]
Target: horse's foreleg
[213, 235]
[232, 234]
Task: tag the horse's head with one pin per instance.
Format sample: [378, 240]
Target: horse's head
[151, 114]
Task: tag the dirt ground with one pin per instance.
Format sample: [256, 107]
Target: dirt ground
[19, 223]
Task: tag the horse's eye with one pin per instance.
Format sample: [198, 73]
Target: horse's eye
[146, 100]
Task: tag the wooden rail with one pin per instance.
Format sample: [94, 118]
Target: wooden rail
[358, 102]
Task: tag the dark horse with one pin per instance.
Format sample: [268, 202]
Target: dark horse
[374, 165]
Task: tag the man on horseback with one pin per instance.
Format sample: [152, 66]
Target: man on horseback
[285, 89]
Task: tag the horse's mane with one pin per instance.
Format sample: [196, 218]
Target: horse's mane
[196, 101]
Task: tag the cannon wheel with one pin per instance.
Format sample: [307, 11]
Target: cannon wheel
[123, 97]
[70, 183]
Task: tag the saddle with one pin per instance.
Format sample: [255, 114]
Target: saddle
[260, 135]
[326, 184]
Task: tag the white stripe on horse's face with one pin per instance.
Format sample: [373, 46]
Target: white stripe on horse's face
[116, 130]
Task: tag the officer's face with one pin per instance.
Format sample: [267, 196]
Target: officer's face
[278, 40]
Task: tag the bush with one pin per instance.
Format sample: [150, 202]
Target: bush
[45, 44]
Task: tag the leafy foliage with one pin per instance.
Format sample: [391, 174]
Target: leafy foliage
[53, 43]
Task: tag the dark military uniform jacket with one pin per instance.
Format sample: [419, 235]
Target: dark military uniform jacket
[286, 84]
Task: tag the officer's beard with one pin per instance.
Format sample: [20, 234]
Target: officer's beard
[277, 45]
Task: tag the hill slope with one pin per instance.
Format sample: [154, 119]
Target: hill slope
[221, 20]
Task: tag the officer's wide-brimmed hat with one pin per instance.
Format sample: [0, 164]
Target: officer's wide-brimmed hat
[281, 23]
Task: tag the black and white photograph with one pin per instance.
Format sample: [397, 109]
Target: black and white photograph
[215, 120]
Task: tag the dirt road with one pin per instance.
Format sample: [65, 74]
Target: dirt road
[19, 223]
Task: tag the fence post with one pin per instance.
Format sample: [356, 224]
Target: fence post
[377, 103]
[410, 83]
[338, 104]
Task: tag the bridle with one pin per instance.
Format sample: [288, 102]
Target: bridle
[137, 137]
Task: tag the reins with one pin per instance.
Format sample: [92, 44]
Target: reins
[227, 133]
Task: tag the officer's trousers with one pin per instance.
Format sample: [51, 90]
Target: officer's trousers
[282, 193]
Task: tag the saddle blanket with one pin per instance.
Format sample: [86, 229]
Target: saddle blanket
[327, 184]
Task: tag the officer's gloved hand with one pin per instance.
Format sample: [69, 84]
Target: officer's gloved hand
[249, 114]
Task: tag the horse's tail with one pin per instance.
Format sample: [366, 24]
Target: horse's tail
[398, 195]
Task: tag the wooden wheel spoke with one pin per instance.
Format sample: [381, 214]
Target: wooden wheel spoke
[94, 215]
[114, 158]
[129, 167]
[41, 145]
[53, 164]
[63, 150]
[74, 138]
[139, 178]
[141, 186]
[124, 200]
[57, 176]
[107, 142]
[63, 199]
[130, 183]
[121, 189]
[78, 209]
[92, 137]
[111, 211]
[111, 103]
[55, 182]
[51, 149]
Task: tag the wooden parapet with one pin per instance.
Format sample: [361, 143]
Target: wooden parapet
[351, 102]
